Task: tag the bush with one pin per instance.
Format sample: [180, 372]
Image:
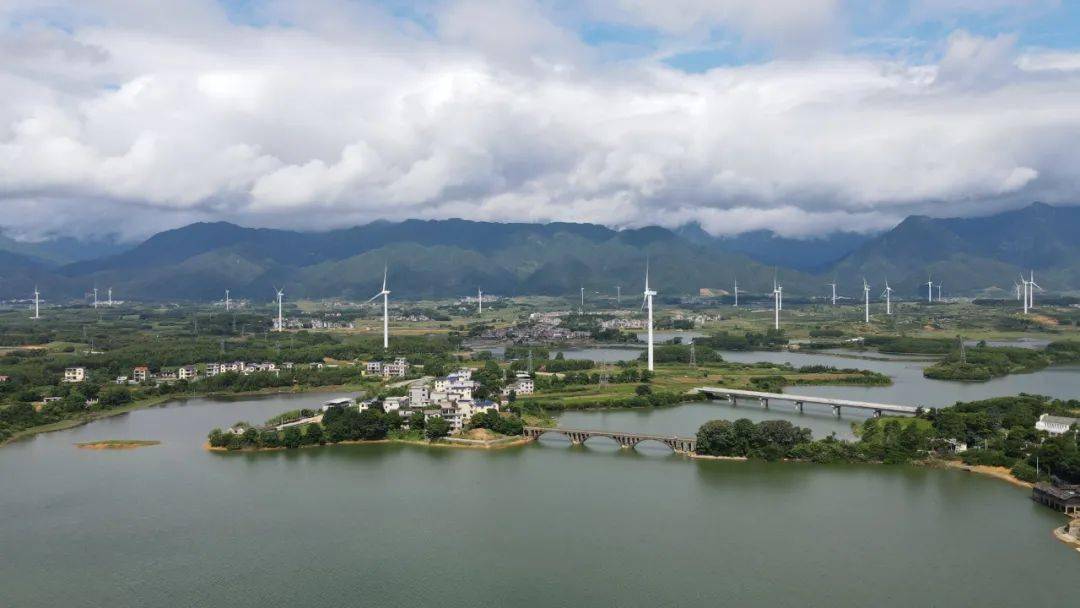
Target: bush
[436, 428]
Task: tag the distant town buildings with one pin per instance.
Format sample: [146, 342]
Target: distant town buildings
[75, 374]
[398, 368]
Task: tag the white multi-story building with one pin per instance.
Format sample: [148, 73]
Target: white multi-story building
[75, 374]
[419, 396]
[395, 404]
[1055, 425]
[140, 373]
[399, 368]
[213, 369]
[187, 372]
[373, 367]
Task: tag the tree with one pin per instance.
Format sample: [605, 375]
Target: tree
[291, 437]
[416, 421]
[643, 389]
[112, 396]
[314, 434]
[437, 428]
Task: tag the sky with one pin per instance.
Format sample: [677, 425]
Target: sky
[126, 117]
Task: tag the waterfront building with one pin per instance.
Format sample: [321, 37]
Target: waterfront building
[1058, 495]
[141, 373]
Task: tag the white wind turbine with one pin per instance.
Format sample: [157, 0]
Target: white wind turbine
[888, 297]
[833, 285]
[480, 301]
[385, 293]
[866, 298]
[777, 290]
[736, 292]
[280, 319]
[110, 297]
[226, 300]
[939, 292]
[1027, 290]
[1032, 286]
[618, 296]
[929, 289]
[37, 303]
[647, 303]
[95, 298]
[582, 298]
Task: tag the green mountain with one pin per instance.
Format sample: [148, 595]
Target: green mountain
[445, 258]
[436, 258]
[971, 255]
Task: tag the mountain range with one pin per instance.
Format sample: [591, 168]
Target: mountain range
[442, 258]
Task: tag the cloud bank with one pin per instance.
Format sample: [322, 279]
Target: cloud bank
[130, 119]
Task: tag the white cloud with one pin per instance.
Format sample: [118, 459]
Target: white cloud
[502, 114]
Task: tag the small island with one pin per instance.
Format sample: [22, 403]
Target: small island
[116, 444]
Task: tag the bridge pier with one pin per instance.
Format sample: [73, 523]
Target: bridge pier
[764, 402]
[799, 406]
[877, 413]
[836, 410]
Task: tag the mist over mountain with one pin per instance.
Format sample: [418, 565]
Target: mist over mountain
[446, 258]
[805, 254]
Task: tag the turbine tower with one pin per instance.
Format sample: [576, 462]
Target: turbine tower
[280, 320]
[736, 292]
[647, 303]
[777, 289]
[480, 301]
[866, 299]
[582, 298]
[939, 292]
[1027, 290]
[110, 297]
[929, 289]
[618, 296]
[37, 303]
[833, 285]
[1032, 286]
[385, 293]
[95, 297]
[226, 300]
[888, 297]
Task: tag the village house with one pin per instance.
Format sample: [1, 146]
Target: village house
[1055, 425]
[75, 374]
[187, 372]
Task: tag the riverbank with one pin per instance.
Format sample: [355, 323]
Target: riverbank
[116, 444]
[448, 442]
[1001, 473]
[139, 404]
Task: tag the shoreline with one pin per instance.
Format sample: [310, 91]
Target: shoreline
[71, 423]
[497, 444]
[996, 472]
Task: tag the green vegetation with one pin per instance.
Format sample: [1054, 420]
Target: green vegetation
[116, 444]
[986, 362]
[1002, 429]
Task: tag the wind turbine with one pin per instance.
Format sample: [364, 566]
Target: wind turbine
[385, 293]
[37, 303]
[647, 303]
[1027, 290]
[1032, 286]
[582, 298]
[1017, 286]
[866, 298]
[618, 296]
[280, 320]
[95, 297]
[736, 292]
[226, 300]
[833, 285]
[929, 289]
[888, 297]
[480, 301]
[776, 290]
[939, 292]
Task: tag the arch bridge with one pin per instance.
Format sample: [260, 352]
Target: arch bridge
[625, 440]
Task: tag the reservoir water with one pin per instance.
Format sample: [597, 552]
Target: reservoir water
[543, 525]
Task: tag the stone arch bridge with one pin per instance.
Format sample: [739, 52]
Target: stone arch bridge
[625, 440]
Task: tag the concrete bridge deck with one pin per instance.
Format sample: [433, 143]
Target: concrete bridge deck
[625, 440]
[799, 400]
